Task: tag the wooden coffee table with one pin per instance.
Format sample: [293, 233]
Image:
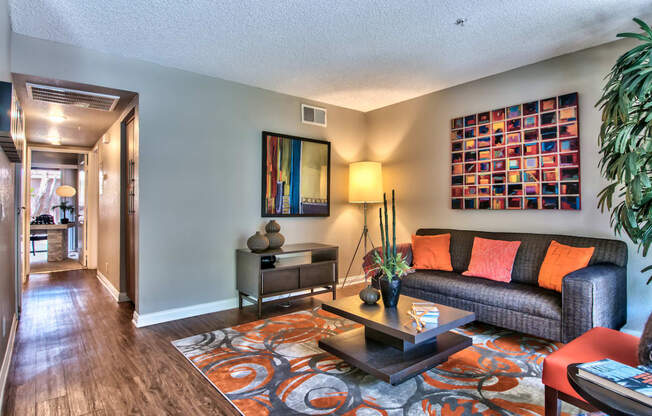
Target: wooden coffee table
[389, 346]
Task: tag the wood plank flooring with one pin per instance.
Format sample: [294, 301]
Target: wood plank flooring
[77, 353]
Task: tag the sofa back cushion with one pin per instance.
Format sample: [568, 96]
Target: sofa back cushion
[532, 250]
[432, 252]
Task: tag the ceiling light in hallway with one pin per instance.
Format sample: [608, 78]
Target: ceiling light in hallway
[57, 118]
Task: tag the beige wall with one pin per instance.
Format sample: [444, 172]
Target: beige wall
[108, 224]
[412, 141]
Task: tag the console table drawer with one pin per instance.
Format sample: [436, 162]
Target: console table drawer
[316, 274]
[280, 280]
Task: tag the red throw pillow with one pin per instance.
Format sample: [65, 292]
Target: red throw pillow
[432, 252]
[561, 260]
[492, 259]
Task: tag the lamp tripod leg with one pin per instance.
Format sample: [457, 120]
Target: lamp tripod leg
[355, 253]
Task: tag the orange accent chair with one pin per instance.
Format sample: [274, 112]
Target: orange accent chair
[596, 344]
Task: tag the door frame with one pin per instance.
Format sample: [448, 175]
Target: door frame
[27, 194]
[130, 113]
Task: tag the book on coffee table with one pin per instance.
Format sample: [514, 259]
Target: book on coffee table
[426, 311]
[621, 378]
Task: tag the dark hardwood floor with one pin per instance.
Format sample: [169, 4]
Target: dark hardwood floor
[77, 353]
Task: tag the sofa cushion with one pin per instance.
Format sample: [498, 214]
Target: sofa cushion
[432, 252]
[519, 297]
[492, 259]
[532, 251]
[561, 260]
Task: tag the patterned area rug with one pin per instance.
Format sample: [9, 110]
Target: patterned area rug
[274, 367]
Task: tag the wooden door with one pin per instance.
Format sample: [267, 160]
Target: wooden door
[130, 229]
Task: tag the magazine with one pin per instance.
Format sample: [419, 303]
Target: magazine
[623, 379]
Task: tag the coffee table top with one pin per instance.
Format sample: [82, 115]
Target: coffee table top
[395, 321]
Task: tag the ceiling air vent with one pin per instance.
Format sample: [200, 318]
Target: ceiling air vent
[313, 115]
[76, 98]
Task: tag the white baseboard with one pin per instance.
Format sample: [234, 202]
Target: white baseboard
[6, 362]
[141, 320]
[117, 295]
[351, 280]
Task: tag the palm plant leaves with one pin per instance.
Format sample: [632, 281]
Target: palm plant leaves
[626, 142]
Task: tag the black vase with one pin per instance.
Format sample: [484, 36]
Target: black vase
[390, 291]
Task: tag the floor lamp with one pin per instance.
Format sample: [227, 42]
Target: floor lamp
[365, 187]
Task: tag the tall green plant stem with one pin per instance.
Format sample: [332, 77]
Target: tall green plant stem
[391, 263]
[382, 232]
[386, 245]
[393, 225]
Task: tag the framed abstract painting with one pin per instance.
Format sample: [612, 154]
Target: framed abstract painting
[296, 176]
[524, 156]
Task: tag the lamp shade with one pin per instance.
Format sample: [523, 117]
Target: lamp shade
[365, 182]
[66, 191]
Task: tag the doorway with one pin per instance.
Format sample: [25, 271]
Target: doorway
[57, 209]
[77, 154]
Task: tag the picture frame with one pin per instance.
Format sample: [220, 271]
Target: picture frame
[295, 180]
[528, 155]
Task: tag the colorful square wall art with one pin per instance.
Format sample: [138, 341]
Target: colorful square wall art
[296, 176]
[518, 157]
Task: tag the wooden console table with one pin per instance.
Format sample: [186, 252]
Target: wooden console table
[57, 239]
[255, 283]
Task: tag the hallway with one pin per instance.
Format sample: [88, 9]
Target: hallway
[77, 353]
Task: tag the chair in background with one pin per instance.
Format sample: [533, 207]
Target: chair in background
[36, 237]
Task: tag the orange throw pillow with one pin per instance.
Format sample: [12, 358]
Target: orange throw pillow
[432, 252]
[492, 259]
[561, 260]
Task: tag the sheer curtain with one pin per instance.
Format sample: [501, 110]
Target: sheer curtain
[43, 196]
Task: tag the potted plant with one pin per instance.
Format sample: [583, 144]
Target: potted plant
[626, 151]
[391, 264]
[63, 206]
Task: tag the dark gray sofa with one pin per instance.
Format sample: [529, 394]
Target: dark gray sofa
[593, 296]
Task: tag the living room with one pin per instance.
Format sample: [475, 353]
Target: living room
[213, 83]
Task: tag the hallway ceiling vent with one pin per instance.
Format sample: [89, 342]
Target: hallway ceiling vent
[76, 98]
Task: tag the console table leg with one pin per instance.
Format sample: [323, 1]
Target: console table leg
[260, 307]
[240, 300]
[334, 291]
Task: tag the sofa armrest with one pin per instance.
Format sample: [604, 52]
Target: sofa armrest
[593, 296]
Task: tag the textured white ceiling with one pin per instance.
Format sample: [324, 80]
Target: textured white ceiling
[361, 54]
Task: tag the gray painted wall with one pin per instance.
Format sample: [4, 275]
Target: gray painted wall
[7, 206]
[5, 41]
[200, 161]
[7, 246]
[412, 140]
